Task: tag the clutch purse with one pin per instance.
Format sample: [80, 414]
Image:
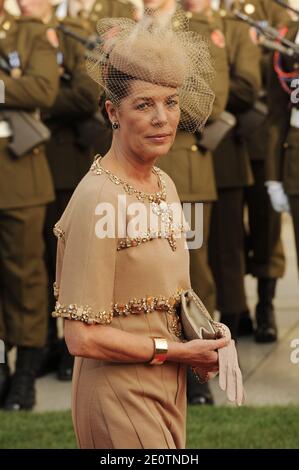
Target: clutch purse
[197, 323]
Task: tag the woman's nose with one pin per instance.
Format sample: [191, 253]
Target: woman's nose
[160, 117]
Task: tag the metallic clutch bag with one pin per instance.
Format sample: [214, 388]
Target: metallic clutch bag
[198, 324]
[196, 321]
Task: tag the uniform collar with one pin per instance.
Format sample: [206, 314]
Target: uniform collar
[76, 6]
[53, 21]
[202, 17]
[9, 22]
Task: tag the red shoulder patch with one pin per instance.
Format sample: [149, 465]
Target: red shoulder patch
[218, 38]
[253, 34]
[52, 37]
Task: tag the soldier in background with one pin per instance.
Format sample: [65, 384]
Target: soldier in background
[30, 75]
[265, 256]
[89, 12]
[69, 151]
[282, 170]
[232, 166]
[191, 168]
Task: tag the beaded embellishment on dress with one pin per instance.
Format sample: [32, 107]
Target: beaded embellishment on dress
[158, 205]
[58, 231]
[157, 197]
[146, 305]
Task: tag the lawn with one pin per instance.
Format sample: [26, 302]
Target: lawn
[219, 427]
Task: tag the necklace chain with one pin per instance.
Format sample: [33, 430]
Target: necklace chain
[129, 189]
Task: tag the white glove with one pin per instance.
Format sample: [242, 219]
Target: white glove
[278, 197]
[230, 375]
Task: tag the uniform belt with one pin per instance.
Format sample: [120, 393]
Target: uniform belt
[5, 130]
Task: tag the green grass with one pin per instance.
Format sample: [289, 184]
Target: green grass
[220, 428]
[244, 428]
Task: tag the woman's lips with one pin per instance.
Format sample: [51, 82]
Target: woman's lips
[159, 138]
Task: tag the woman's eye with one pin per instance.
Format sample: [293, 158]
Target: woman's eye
[142, 106]
[172, 103]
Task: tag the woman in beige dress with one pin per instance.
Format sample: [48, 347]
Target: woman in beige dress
[129, 382]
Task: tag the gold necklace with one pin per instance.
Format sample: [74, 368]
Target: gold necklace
[157, 200]
[157, 197]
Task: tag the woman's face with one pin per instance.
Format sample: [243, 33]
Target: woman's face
[148, 118]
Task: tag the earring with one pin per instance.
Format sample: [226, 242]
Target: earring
[115, 126]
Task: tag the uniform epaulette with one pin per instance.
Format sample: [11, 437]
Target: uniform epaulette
[71, 22]
[228, 15]
[28, 19]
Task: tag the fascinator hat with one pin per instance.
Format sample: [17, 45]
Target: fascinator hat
[153, 51]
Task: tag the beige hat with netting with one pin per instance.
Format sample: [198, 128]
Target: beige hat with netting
[152, 51]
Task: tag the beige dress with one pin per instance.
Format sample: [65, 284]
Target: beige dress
[132, 284]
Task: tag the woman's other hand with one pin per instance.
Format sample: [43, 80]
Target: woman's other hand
[198, 353]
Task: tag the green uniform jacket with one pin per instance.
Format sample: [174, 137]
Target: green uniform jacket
[267, 11]
[106, 9]
[232, 165]
[190, 167]
[276, 16]
[260, 10]
[282, 162]
[26, 181]
[68, 119]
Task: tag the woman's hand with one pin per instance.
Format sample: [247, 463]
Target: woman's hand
[199, 353]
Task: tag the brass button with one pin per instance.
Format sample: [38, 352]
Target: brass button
[189, 14]
[98, 7]
[285, 145]
[6, 26]
[249, 9]
[194, 148]
[36, 151]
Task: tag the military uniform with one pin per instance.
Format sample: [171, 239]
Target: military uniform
[31, 82]
[264, 251]
[103, 9]
[260, 10]
[265, 257]
[69, 151]
[192, 168]
[233, 174]
[88, 18]
[283, 142]
[25, 185]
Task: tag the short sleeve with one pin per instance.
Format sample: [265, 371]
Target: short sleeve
[85, 266]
